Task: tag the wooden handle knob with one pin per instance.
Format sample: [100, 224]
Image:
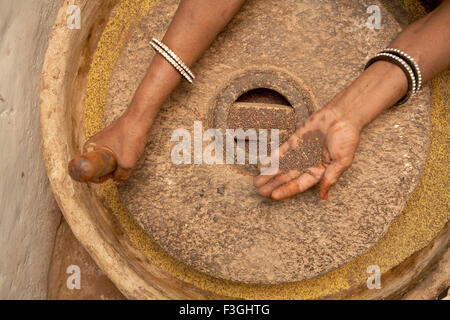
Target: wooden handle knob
[92, 165]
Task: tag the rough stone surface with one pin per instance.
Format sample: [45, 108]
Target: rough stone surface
[209, 216]
[28, 212]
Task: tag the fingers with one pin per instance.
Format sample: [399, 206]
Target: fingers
[330, 177]
[299, 185]
[277, 153]
[262, 179]
[89, 146]
[119, 176]
[326, 159]
[102, 179]
[118, 173]
[266, 189]
[122, 174]
[267, 172]
[91, 166]
[287, 185]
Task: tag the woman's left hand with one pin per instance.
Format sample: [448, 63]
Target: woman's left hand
[341, 137]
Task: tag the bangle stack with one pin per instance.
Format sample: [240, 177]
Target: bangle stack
[173, 59]
[408, 66]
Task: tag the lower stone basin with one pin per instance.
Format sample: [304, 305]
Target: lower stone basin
[75, 82]
[210, 216]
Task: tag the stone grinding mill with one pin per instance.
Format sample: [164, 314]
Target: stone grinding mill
[201, 231]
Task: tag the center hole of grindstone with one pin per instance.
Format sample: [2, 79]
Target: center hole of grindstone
[263, 95]
[261, 108]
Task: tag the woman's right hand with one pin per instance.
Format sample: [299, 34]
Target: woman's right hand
[119, 147]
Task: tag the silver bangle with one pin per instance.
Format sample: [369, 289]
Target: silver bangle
[174, 56]
[172, 62]
[405, 68]
[412, 63]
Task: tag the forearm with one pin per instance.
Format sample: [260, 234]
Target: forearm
[383, 84]
[428, 41]
[194, 27]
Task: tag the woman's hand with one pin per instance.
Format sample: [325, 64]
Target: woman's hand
[195, 25]
[341, 137]
[375, 90]
[340, 122]
[125, 139]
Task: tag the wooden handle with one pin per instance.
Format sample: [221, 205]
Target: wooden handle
[92, 165]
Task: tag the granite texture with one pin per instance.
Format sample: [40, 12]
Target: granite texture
[210, 217]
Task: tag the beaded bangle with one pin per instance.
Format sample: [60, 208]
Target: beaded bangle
[174, 56]
[412, 63]
[172, 62]
[405, 68]
[173, 59]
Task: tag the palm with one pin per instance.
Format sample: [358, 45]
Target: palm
[340, 143]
